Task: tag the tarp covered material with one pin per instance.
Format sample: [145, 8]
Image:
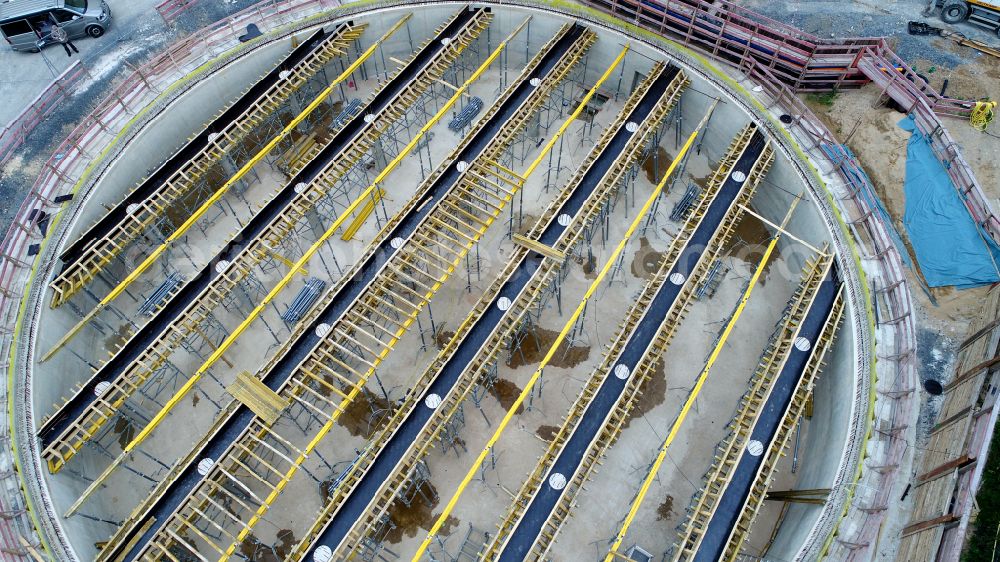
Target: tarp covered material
[950, 247]
[860, 181]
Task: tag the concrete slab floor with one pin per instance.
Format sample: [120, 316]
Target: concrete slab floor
[165, 446]
[519, 448]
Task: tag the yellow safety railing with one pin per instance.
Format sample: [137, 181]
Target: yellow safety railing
[255, 313]
[215, 197]
[559, 339]
[702, 377]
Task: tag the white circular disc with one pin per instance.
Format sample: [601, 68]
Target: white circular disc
[446, 41]
[622, 371]
[204, 465]
[802, 344]
[432, 401]
[322, 554]
[397, 243]
[755, 448]
[677, 278]
[503, 303]
[535, 82]
[301, 187]
[564, 219]
[212, 137]
[284, 74]
[101, 388]
[462, 166]
[369, 118]
[631, 126]
[739, 177]
[222, 265]
[557, 481]
[322, 330]
[132, 208]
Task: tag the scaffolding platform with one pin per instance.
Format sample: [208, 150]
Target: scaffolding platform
[534, 519]
[178, 176]
[367, 493]
[722, 513]
[350, 332]
[73, 424]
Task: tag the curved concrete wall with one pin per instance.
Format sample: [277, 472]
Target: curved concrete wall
[175, 121]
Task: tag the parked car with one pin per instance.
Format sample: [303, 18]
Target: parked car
[21, 21]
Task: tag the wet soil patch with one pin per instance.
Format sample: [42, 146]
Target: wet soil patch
[653, 393]
[646, 260]
[506, 392]
[666, 509]
[589, 267]
[547, 432]
[418, 515]
[181, 211]
[366, 414]
[118, 338]
[256, 551]
[534, 346]
[654, 173]
[749, 241]
[442, 337]
[125, 431]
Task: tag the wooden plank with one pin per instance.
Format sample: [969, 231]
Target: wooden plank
[536, 246]
[254, 394]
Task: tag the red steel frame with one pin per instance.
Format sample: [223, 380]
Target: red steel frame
[15, 133]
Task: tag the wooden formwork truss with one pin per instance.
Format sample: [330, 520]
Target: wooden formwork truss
[613, 424]
[741, 426]
[433, 72]
[101, 252]
[261, 462]
[779, 445]
[270, 238]
[489, 351]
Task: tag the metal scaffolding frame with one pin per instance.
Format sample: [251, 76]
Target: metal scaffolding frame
[98, 246]
[288, 213]
[773, 361]
[476, 373]
[347, 356]
[653, 346]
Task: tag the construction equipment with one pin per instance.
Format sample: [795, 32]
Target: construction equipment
[921, 28]
[984, 13]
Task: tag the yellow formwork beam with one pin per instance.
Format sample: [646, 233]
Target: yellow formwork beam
[256, 312]
[356, 389]
[702, 377]
[215, 197]
[363, 215]
[470, 474]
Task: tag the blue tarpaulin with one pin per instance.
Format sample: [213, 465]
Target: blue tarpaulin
[860, 180]
[950, 247]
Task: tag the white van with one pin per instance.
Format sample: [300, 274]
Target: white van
[21, 20]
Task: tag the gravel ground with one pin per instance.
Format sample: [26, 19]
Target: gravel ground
[867, 18]
[136, 35]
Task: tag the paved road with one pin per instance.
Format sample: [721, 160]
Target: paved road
[133, 28]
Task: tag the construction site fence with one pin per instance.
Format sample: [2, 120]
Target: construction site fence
[15, 133]
[170, 10]
[59, 177]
